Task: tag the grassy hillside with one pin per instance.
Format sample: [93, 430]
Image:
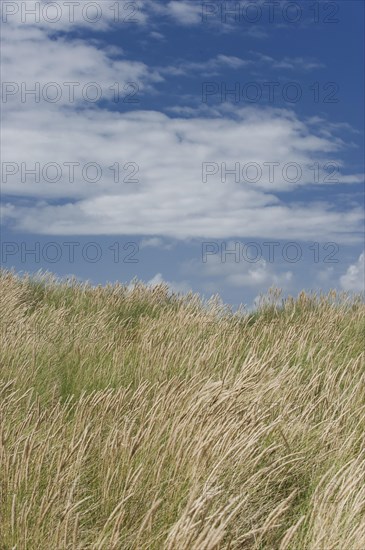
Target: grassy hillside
[132, 419]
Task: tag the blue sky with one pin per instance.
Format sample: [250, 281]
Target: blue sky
[175, 141]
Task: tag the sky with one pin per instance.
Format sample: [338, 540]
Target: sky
[213, 146]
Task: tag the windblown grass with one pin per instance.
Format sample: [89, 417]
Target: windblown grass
[132, 419]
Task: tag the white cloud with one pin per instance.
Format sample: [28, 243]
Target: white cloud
[157, 35]
[184, 12]
[354, 278]
[209, 67]
[62, 67]
[289, 62]
[325, 275]
[214, 66]
[171, 200]
[181, 287]
[228, 265]
[155, 242]
[259, 276]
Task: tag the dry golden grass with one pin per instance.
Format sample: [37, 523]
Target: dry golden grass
[135, 420]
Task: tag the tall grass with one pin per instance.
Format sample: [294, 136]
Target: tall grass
[133, 419]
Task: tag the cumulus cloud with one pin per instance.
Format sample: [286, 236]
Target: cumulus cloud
[228, 266]
[181, 287]
[187, 13]
[183, 12]
[161, 175]
[171, 199]
[209, 67]
[155, 242]
[287, 62]
[213, 66]
[40, 71]
[354, 278]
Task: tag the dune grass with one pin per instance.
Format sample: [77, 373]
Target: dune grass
[135, 419]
